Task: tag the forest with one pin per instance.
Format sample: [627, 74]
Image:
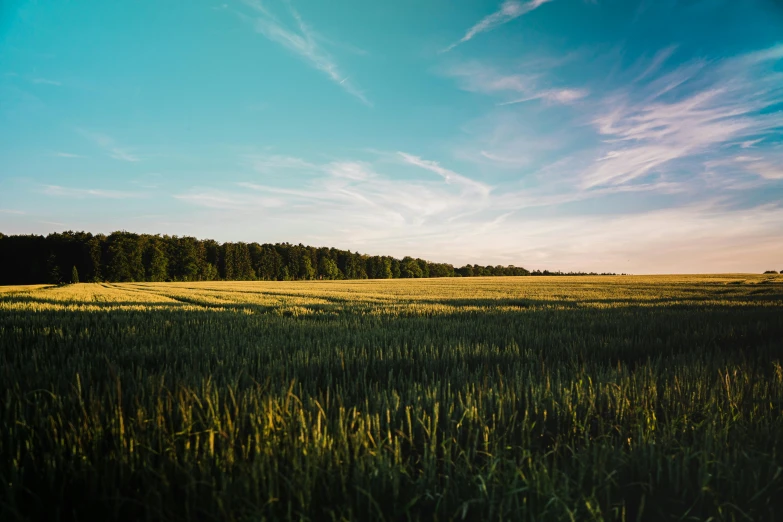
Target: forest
[127, 257]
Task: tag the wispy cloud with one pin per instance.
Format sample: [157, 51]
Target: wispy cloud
[477, 77]
[354, 205]
[698, 143]
[750, 143]
[696, 111]
[509, 10]
[770, 54]
[562, 96]
[303, 41]
[512, 160]
[657, 62]
[355, 191]
[378, 208]
[448, 175]
[350, 170]
[767, 166]
[221, 199]
[44, 81]
[57, 190]
[694, 238]
[110, 146]
[68, 155]
[357, 197]
[276, 162]
[10, 211]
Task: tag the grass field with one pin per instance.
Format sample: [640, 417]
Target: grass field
[533, 398]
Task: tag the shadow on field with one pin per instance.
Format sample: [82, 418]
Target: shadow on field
[768, 296]
[267, 293]
[177, 304]
[422, 342]
[759, 296]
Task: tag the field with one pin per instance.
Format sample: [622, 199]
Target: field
[529, 398]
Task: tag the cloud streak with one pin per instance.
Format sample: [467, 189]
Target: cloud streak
[275, 162]
[509, 10]
[353, 205]
[352, 188]
[110, 146]
[480, 78]
[770, 168]
[695, 111]
[302, 41]
[657, 62]
[44, 81]
[60, 191]
[468, 185]
[561, 96]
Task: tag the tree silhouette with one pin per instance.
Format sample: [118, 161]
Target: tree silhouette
[124, 256]
[55, 276]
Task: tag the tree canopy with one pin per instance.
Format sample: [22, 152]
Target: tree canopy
[125, 256]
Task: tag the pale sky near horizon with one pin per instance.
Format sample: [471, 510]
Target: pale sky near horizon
[608, 135]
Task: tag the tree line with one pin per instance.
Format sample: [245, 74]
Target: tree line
[126, 257]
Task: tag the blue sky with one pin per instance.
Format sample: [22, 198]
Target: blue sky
[629, 136]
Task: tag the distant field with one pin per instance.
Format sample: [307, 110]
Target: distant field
[528, 398]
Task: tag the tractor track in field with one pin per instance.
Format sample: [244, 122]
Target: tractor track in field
[197, 302]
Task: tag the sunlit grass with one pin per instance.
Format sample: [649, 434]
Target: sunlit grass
[537, 398]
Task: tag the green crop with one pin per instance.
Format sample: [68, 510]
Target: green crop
[582, 398]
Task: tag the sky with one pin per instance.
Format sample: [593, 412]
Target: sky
[634, 136]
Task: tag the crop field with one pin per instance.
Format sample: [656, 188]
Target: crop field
[527, 398]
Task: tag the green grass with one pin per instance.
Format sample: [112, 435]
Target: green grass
[611, 398]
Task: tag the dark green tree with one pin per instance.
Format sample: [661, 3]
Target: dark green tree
[353, 266]
[117, 267]
[327, 269]
[306, 270]
[74, 275]
[410, 268]
[157, 262]
[440, 270]
[379, 267]
[95, 249]
[124, 256]
[209, 272]
[187, 258]
[269, 264]
[243, 266]
[395, 268]
[55, 275]
[385, 269]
